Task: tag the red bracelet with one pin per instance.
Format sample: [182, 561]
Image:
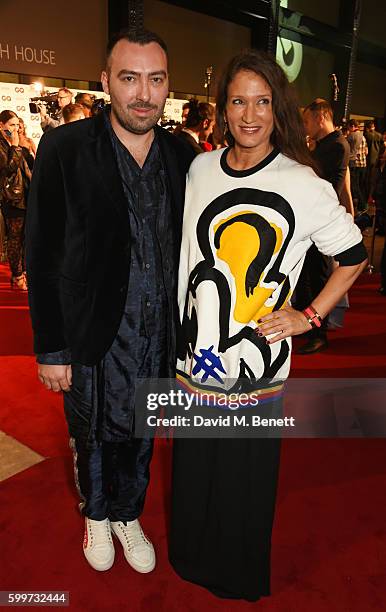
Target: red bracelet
[314, 318]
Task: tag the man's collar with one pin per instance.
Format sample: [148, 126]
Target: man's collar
[192, 134]
[331, 136]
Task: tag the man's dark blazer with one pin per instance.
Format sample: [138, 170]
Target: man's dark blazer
[193, 144]
[78, 237]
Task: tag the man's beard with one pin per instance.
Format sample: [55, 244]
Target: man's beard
[136, 125]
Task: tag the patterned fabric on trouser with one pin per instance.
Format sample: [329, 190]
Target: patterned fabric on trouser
[112, 479]
[15, 244]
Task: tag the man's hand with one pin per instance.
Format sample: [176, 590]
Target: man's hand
[43, 111]
[55, 377]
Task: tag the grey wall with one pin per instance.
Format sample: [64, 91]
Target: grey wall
[195, 41]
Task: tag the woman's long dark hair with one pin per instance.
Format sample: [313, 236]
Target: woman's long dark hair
[6, 115]
[288, 133]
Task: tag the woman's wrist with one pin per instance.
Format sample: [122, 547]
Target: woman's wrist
[312, 316]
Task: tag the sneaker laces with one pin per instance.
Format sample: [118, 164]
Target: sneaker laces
[98, 532]
[134, 535]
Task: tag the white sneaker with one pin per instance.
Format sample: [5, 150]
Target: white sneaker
[139, 551]
[98, 545]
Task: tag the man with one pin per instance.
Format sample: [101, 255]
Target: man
[86, 100]
[73, 112]
[375, 146]
[184, 116]
[48, 123]
[332, 154]
[103, 235]
[354, 139]
[199, 124]
[360, 170]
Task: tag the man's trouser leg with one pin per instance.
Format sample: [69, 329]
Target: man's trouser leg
[113, 478]
[130, 478]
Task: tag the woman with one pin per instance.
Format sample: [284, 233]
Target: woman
[15, 177]
[27, 144]
[252, 211]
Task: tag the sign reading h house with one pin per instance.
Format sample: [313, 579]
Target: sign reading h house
[30, 55]
[49, 39]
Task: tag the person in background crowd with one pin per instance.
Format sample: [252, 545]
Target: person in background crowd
[380, 201]
[73, 112]
[103, 239]
[86, 100]
[98, 106]
[354, 139]
[15, 177]
[184, 114]
[375, 145]
[331, 153]
[27, 144]
[48, 123]
[360, 170]
[251, 212]
[199, 123]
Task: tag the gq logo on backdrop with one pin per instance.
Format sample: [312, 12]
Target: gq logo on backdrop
[35, 117]
[19, 89]
[6, 98]
[20, 108]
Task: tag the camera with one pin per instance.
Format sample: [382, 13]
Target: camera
[49, 100]
[98, 106]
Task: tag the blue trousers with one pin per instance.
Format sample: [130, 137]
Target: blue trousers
[112, 479]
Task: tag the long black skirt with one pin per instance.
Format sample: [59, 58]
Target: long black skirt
[223, 503]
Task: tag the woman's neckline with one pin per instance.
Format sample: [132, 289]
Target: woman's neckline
[248, 171]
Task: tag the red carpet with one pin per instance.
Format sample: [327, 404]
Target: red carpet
[329, 543]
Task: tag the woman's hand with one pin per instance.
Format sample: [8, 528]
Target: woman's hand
[14, 138]
[283, 323]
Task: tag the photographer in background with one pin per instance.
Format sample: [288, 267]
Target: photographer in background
[48, 123]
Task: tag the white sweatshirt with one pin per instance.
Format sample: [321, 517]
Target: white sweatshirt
[245, 235]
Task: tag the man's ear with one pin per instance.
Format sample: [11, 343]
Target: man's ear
[105, 82]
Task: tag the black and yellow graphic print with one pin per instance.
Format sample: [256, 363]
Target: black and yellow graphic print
[253, 247]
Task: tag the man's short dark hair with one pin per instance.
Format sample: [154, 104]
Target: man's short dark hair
[320, 105]
[70, 111]
[85, 99]
[352, 123]
[141, 37]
